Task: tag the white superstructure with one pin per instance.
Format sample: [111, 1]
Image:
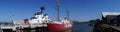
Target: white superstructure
[38, 18]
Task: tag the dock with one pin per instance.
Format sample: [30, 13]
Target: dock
[36, 27]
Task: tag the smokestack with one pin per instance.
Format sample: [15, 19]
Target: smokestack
[42, 8]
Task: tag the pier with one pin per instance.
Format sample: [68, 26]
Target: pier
[33, 27]
[108, 23]
[115, 27]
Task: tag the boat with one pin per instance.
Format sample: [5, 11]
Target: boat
[60, 25]
[37, 23]
[38, 20]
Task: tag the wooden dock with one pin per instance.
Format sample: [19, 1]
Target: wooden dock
[113, 28]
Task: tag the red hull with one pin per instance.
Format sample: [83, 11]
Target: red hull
[59, 27]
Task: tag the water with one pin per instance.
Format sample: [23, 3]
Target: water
[82, 27]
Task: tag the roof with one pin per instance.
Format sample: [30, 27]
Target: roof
[110, 13]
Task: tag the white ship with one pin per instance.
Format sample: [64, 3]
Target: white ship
[38, 20]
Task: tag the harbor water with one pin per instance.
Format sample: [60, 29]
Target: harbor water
[82, 27]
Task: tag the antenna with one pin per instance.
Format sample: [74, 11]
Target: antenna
[43, 2]
[67, 12]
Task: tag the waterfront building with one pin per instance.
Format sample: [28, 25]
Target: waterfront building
[111, 18]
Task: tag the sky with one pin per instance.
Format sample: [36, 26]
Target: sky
[80, 10]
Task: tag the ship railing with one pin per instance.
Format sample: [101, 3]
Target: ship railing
[31, 25]
[7, 25]
[38, 25]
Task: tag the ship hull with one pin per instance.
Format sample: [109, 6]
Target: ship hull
[59, 27]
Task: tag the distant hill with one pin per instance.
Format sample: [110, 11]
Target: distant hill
[80, 22]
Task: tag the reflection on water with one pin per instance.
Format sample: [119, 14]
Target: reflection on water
[70, 30]
[40, 30]
[82, 27]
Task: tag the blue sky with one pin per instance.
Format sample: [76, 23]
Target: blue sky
[81, 10]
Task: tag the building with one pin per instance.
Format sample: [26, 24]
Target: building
[111, 18]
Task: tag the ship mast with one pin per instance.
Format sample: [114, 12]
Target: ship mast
[58, 6]
[11, 18]
[67, 12]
